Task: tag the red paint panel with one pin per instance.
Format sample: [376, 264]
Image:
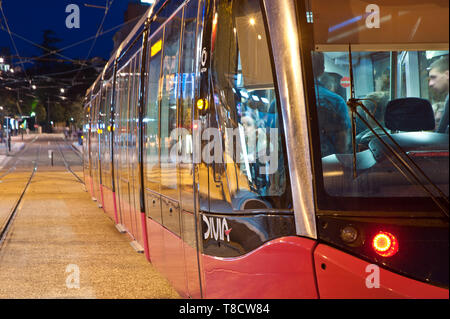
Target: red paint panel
[155, 237]
[174, 268]
[282, 268]
[116, 213]
[102, 199]
[138, 229]
[131, 210]
[190, 254]
[89, 185]
[95, 190]
[345, 276]
[192, 276]
[145, 236]
[167, 255]
[126, 211]
[108, 204]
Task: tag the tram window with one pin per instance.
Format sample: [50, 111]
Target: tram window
[247, 105]
[390, 62]
[164, 14]
[107, 130]
[118, 121]
[104, 147]
[152, 116]
[134, 93]
[170, 78]
[124, 73]
[375, 86]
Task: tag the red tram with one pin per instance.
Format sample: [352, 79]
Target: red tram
[279, 149]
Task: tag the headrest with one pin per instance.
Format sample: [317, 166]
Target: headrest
[409, 114]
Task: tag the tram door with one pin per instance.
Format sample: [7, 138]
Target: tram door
[125, 140]
[118, 138]
[133, 149]
[170, 188]
[95, 151]
[171, 215]
[103, 146]
[186, 167]
[86, 148]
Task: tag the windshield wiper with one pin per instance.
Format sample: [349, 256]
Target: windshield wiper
[353, 103]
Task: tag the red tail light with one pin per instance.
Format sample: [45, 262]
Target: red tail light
[385, 244]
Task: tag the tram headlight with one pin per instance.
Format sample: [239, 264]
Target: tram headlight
[349, 234]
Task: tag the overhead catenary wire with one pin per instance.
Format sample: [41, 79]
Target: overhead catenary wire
[43, 48]
[11, 37]
[29, 59]
[91, 37]
[108, 6]
[50, 52]
[66, 48]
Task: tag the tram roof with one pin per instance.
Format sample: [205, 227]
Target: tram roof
[128, 40]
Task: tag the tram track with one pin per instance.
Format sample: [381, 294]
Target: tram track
[5, 227]
[66, 164]
[9, 220]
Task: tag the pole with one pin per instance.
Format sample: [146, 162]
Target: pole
[8, 137]
[48, 114]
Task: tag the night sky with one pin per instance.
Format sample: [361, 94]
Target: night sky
[28, 18]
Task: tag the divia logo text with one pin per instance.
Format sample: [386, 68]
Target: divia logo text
[217, 228]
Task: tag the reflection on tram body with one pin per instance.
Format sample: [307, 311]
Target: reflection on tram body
[235, 162]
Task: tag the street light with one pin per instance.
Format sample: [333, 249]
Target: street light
[62, 90]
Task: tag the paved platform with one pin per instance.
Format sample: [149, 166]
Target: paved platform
[61, 245]
[17, 144]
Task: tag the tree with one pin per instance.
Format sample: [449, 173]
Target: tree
[48, 43]
[40, 90]
[75, 111]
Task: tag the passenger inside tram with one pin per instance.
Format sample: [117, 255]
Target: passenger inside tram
[332, 81]
[247, 104]
[375, 103]
[334, 121]
[439, 85]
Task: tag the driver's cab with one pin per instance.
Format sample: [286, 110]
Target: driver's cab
[383, 120]
[397, 98]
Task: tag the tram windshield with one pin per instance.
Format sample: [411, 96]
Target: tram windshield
[400, 74]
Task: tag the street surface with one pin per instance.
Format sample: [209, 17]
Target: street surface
[60, 244]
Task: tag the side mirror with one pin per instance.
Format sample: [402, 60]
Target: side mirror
[409, 114]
